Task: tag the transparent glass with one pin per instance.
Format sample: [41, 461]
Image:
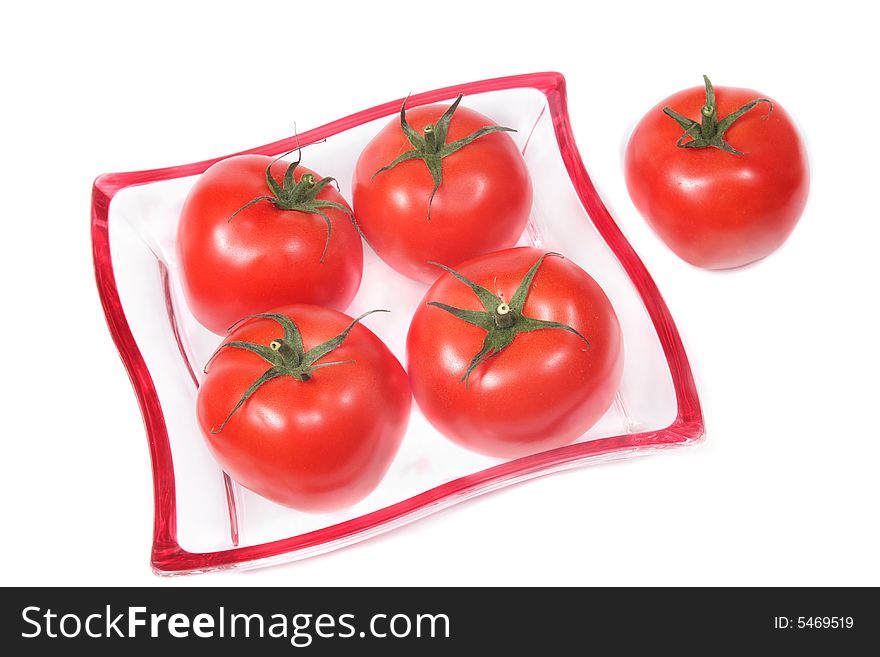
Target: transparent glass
[203, 520]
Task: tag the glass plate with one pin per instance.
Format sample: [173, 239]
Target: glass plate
[203, 520]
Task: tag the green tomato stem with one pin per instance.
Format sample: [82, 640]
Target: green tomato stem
[709, 132]
[504, 316]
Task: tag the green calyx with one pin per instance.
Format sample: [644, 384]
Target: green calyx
[299, 196]
[502, 320]
[431, 146]
[286, 355]
[710, 131]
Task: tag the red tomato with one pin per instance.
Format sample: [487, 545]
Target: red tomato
[482, 203]
[315, 436]
[537, 384]
[713, 207]
[264, 256]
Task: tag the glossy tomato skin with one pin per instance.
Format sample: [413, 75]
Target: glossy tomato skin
[264, 257]
[317, 445]
[715, 209]
[482, 205]
[542, 391]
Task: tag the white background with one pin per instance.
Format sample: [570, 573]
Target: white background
[784, 490]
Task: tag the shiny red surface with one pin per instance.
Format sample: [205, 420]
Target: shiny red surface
[483, 204]
[219, 256]
[715, 209]
[317, 445]
[546, 388]
[169, 557]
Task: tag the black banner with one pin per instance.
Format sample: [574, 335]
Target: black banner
[277, 621]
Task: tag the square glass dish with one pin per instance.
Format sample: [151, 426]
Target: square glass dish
[204, 520]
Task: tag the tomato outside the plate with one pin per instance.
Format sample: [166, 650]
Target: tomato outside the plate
[545, 383]
[728, 200]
